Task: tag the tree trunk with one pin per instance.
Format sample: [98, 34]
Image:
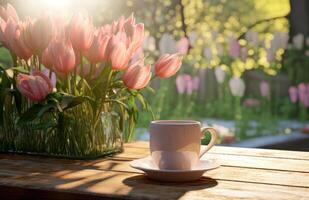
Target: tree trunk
[299, 17]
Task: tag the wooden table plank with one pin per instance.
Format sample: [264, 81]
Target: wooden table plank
[240, 177]
[236, 160]
[133, 186]
[223, 173]
[299, 155]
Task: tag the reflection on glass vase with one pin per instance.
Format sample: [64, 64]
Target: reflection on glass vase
[75, 134]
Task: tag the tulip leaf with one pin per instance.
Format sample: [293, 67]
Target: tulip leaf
[71, 101]
[35, 112]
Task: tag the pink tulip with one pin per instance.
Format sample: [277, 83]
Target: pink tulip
[234, 48]
[81, 32]
[189, 88]
[38, 33]
[59, 56]
[35, 86]
[250, 102]
[2, 36]
[119, 56]
[135, 34]
[264, 89]
[137, 76]
[195, 83]
[293, 94]
[14, 42]
[51, 75]
[97, 51]
[302, 92]
[96, 71]
[183, 45]
[167, 65]
[306, 101]
[8, 12]
[181, 82]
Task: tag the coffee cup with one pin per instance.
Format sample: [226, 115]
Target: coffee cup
[176, 144]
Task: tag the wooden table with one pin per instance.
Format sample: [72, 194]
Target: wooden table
[244, 174]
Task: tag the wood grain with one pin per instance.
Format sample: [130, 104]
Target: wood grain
[299, 155]
[244, 174]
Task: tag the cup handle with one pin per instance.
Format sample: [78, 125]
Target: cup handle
[213, 139]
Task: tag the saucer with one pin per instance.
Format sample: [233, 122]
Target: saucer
[146, 165]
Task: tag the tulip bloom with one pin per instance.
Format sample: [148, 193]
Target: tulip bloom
[181, 82]
[237, 86]
[167, 65]
[293, 94]
[14, 42]
[137, 76]
[195, 83]
[234, 48]
[37, 34]
[220, 74]
[97, 51]
[119, 56]
[264, 89]
[81, 32]
[35, 86]
[60, 57]
[183, 45]
[8, 12]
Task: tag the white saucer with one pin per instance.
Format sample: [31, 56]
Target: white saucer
[146, 165]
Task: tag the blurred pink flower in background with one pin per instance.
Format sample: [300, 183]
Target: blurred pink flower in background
[264, 89]
[195, 83]
[38, 33]
[181, 82]
[9, 11]
[189, 88]
[14, 41]
[251, 103]
[187, 83]
[234, 48]
[183, 45]
[306, 101]
[293, 94]
[81, 32]
[302, 92]
[237, 86]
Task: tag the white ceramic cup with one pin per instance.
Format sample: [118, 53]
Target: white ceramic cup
[176, 144]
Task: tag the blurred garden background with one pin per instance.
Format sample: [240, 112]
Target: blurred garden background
[245, 62]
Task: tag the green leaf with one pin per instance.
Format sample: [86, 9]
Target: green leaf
[35, 112]
[71, 101]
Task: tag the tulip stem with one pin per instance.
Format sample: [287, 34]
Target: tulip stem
[92, 65]
[39, 62]
[153, 77]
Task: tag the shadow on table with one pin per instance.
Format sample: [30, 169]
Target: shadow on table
[147, 188]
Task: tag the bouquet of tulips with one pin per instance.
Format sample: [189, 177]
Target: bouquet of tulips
[73, 89]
